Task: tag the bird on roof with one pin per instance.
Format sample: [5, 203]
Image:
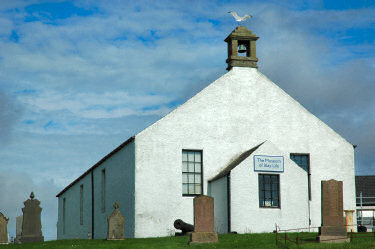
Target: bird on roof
[239, 18]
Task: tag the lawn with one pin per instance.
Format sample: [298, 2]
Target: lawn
[265, 240]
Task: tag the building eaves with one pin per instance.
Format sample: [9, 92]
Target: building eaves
[236, 161]
[129, 140]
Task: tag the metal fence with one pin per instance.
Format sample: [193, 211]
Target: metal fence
[365, 204]
[299, 236]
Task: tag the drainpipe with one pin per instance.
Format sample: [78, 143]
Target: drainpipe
[228, 202]
[308, 195]
[92, 204]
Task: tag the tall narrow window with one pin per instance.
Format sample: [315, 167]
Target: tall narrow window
[81, 205]
[63, 214]
[103, 191]
[303, 161]
[192, 172]
[269, 194]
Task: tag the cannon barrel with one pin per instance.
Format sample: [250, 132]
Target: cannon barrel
[183, 226]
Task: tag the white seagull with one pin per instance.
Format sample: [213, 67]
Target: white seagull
[239, 18]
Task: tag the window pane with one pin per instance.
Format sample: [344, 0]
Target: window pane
[197, 188]
[198, 167]
[184, 178]
[275, 203]
[267, 179]
[275, 186]
[191, 189]
[192, 172]
[191, 156]
[267, 186]
[269, 190]
[197, 178]
[191, 167]
[191, 178]
[184, 188]
[267, 203]
[184, 156]
[301, 160]
[261, 197]
[261, 187]
[198, 157]
[260, 178]
[184, 167]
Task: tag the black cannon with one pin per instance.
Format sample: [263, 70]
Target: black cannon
[184, 227]
[362, 229]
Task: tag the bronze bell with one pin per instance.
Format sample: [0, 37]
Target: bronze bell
[241, 48]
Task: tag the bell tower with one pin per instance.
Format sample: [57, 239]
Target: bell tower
[241, 41]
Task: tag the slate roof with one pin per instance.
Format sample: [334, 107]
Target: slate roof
[366, 185]
[236, 161]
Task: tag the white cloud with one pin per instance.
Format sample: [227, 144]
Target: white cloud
[91, 82]
[10, 113]
[93, 105]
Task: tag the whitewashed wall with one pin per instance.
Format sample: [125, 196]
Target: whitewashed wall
[235, 113]
[218, 190]
[119, 171]
[73, 228]
[247, 216]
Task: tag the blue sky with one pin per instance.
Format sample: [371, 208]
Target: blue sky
[78, 78]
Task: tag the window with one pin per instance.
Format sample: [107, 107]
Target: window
[63, 214]
[191, 172]
[81, 205]
[103, 191]
[303, 161]
[269, 194]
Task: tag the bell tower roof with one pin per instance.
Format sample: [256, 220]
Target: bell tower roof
[241, 40]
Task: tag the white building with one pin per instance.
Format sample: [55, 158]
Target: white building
[236, 140]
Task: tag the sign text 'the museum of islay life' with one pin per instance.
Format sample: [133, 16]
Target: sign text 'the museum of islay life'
[269, 163]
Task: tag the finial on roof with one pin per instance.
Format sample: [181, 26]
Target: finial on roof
[116, 205]
[32, 195]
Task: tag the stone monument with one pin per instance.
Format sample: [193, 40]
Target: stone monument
[349, 220]
[203, 221]
[19, 220]
[333, 227]
[116, 224]
[31, 224]
[3, 229]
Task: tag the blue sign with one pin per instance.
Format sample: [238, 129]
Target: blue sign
[268, 163]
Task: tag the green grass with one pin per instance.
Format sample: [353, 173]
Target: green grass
[265, 240]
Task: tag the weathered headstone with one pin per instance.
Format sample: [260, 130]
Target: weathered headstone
[31, 223]
[19, 220]
[333, 226]
[115, 224]
[349, 220]
[3, 229]
[203, 221]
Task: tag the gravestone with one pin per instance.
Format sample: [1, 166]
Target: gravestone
[115, 224]
[31, 224]
[333, 225]
[3, 229]
[203, 221]
[349, 220]
[19, 220]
